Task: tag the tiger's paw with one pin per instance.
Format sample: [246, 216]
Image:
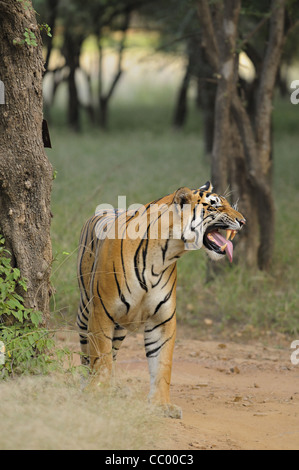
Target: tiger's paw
[168, 410]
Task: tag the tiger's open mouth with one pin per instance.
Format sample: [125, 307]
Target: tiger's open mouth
[215, 241]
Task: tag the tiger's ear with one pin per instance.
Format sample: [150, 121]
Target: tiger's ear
[207, 187]
[183, 196]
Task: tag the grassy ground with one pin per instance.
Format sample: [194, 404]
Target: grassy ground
[143, 158]
[57, 415]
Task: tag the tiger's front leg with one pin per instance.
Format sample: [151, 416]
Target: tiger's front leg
[159, 339]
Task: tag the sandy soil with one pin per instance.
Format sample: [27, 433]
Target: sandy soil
[233, 396]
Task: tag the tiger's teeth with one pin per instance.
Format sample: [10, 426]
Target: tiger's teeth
[234, 232]
[210, 236]
[222, 248]
[228, 234]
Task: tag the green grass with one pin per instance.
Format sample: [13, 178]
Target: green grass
[143, 158]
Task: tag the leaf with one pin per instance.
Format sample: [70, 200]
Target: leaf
[23, 283]
[45, 27]
[30, 37]
[36, 317]
[19, 315]
[16, 273]
[15, 304]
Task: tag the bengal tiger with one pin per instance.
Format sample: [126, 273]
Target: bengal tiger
[127, 272]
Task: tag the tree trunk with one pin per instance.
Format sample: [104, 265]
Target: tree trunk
[180, 111]
[226, 21]
[103, 113]
[104, 98]
[25, 172]
[71, 51]
[206, 93]
[181, 106]
[242, 146]
[205, 99]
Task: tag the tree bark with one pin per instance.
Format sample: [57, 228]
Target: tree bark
[242, 146]
[180, 111]
[25, 171]
[71, 51]
[104, 98]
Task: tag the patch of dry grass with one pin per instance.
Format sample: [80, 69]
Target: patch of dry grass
[53, 412]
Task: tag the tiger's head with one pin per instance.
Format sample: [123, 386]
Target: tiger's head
[203, 215]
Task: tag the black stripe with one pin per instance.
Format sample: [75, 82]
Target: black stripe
[169, 276]
[166, 298]
[160, 278]
[152, 342]
[122, 297]
[153, 351]
[123, 264]
[160, 324]
[119, 338]
[80, 315]
[141, 280]
[154, 274]
[144, 253]
[83, 309]
[164, 250]
[106, 311]
[82, 326]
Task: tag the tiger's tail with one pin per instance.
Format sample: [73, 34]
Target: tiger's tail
[82, 324]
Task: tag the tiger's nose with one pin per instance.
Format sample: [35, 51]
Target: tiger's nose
[241, 222]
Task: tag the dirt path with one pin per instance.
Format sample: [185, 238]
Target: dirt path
[233, 396]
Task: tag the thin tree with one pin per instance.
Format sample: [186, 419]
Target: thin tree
[104, 98]
[25, 171]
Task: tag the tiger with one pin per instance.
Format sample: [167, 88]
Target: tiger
[127, 274]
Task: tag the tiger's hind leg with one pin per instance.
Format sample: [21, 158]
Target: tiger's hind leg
[118, 337]
[100, 338]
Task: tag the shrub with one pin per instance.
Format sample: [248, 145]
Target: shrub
[27, 344]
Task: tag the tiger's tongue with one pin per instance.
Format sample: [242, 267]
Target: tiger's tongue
[220, 241]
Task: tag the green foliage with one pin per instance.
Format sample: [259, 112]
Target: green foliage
[45, 27]
[30, 38]
[27, 344]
